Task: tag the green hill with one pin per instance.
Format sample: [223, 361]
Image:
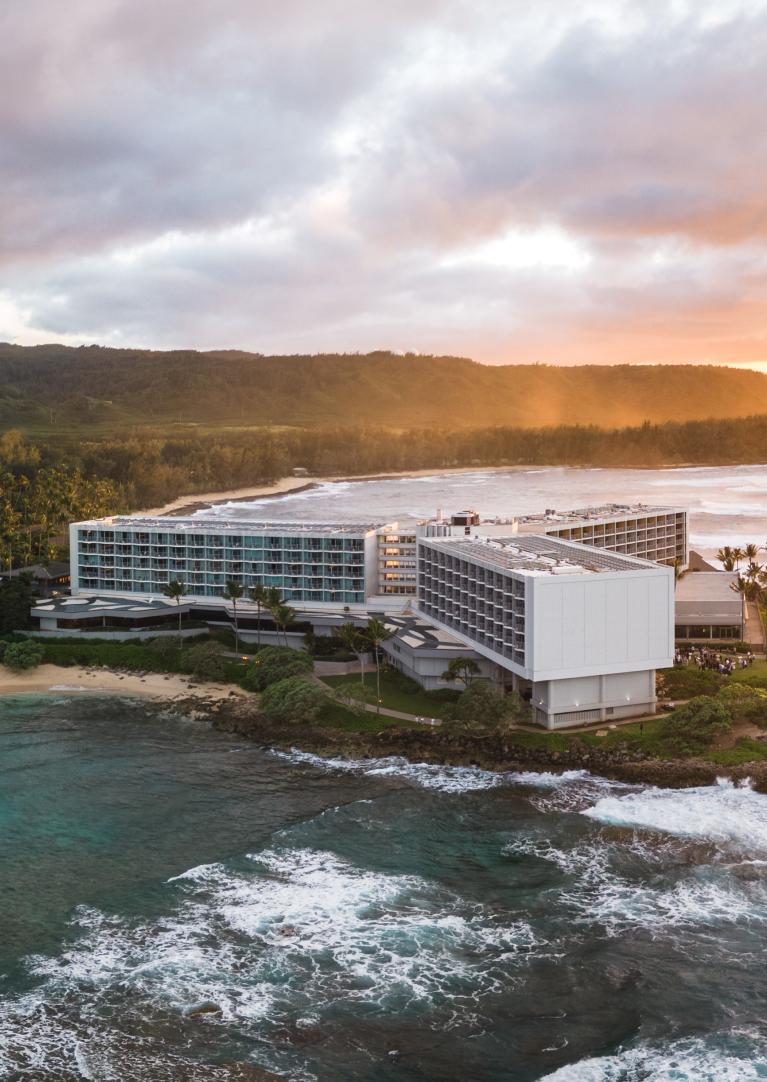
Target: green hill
[50, 386]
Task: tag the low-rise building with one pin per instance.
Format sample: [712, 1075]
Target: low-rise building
[423, 652]
[707, 607]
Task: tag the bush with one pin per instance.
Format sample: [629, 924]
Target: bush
[276, 663]
[205, 662]
[483, 707]
[685, 683]
[744, 703]
[443, 695]
[166, 650]
[328, 647]
[23, 655]
[695, 726]
[293, 700]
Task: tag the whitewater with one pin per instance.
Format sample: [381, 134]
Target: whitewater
[181, 905]
[725, 503]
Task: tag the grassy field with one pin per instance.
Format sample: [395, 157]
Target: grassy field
[337, 716]
[416, 702]
[755, 674]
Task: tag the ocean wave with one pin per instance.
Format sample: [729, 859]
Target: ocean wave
[730, 816]
[293, 931]
[627, 882]
[731, 1059]
[453, 779]
[446, 779]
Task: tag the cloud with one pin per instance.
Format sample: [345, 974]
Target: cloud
[509, 181]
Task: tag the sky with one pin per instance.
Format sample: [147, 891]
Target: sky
[565, 181]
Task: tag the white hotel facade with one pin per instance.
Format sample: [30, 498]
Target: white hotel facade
[578, 627]
[579, 631]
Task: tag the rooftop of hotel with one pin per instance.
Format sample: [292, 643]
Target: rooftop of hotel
[596, 513]
[221, 525]
[534, 554]
[104, 606]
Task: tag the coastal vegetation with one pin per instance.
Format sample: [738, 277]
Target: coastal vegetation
[48, 481]
[718, 726]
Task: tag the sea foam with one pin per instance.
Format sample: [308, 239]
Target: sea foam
[681, 1061]
[447, 779]
[733, 817]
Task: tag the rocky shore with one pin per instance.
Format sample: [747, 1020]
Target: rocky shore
[498, 753]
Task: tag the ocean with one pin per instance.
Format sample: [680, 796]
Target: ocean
[726, 503]
[176, 903]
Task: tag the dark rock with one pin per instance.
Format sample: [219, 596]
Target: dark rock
[208, 1007]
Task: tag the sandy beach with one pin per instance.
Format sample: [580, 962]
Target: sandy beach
[185, 505]
[79, 680]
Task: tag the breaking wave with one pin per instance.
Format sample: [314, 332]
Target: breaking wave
[456, 779]
[282, 937]
[731, 1059]
[733, 817]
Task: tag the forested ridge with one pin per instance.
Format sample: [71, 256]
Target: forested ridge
[94, 431]
[52, 387]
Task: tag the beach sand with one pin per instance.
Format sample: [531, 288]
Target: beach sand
[186, 505]
[77, 680]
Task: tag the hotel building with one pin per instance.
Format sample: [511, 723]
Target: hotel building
[312, 565]
[650, 533]
[579, 631]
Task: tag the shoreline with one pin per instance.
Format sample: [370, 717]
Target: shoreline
[192, 502]
[497, 754]
[80, 679]
[220, 706]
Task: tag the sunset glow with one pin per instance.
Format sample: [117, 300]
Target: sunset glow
[550, 183]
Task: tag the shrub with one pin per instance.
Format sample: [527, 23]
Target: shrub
[166, 650]
[205, 662]
[695, 726]
[23, 655]
[293, 700]
[744, 702]
[443, 695]
[276, 663]
[685, 683]
[483, 707]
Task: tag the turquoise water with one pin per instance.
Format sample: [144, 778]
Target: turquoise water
[174, 902]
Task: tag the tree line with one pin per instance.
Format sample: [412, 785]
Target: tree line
[45, 484]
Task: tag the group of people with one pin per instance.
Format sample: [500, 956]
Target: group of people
[712, 659]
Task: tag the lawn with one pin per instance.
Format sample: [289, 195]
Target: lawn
[745, 750]
[755, 674]
[338, 717]
[417, 702]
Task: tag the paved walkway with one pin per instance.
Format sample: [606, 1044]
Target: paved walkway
[753, 633]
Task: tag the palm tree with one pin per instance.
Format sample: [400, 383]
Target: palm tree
[283, 616]
[353, 639]
[258, 595]
[376, 632]
[175, 590]
[726, 557]
[233, 591]
[751, 551]
[737, 555]
[753, 571]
